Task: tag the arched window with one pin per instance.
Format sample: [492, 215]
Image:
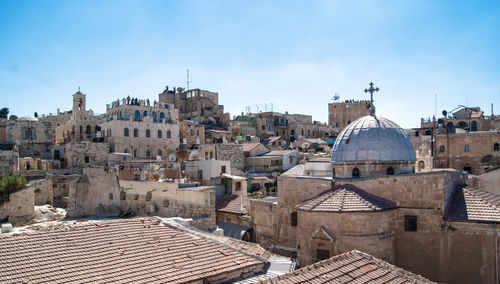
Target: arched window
[197, 132]
[191, 132]
[468, 168]
[81, 129]
[148, 153]
[441, 148]
[137, 115]
[136, 153]
[89, 129]
[292, 132]
[348, 122]
[466, 148]
[162, 115]
[473, 126]
[169, 134]
[153, 114]
[125, 132]
[148, 133]
[390, 171]
[417, 133]
[496, 147]
[136, 132]
[462, 124]
[160, 134]
[159, 152]
[97, 128]
[145, 113]
[125, 151]
[302, 131]
[211, 155]
[355, 173]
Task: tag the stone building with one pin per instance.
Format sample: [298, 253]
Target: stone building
[432, 223]
[197, 105]
[86, 153]
[81, 127]
[341, 114]
[290, 126]
[33, 137]
[473, 152]
[146, 131]
[191, 133]
[469, 119]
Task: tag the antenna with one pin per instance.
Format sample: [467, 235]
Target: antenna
[187, 81]
[435, 105]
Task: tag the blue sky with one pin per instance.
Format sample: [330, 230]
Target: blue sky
[295, 54]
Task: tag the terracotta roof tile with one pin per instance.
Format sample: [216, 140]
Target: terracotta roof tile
[351, 267]
[346, 198]
[469, 204]
[124, 251]
[236, 204]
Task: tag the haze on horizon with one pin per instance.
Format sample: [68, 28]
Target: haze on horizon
[294, 54]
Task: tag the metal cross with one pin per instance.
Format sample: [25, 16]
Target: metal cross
[371, 91]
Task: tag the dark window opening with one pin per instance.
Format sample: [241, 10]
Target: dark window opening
[356, 173]
[322, 254]
[87, 159]
[293, 219]
[410, 223]
[496, 147]
[136, 132]
[441, 148]
[390, 171]
[223, 169]
[468, 168]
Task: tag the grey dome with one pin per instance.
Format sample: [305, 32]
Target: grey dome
[28, 118]
[372, 138]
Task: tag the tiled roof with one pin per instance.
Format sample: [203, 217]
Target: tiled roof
[236, 204]
[247, 147]
[351, 267]
[274, 138]
[118, 251]
[474, 205]
[346, 198]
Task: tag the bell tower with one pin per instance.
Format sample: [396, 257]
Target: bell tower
[78, 105]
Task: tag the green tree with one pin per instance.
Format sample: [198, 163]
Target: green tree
[4, 112]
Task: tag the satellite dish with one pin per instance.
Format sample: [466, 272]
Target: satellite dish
[444, 113]
[172, 157]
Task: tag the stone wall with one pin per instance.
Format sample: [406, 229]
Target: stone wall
[20, 208]
[80, 154]
[8, 161]
[293, 190]
[342, 113]
[489, 181]
[43, 190]
[99, 192]
[370, 232]
[232, 153]
[264, 218]
[455, 155]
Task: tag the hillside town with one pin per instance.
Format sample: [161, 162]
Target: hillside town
[173, 189]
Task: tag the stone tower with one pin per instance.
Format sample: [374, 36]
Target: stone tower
[78, 105]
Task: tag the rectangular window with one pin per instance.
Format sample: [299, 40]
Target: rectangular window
[87, 159]
[410, 223]
[223, 169]
[293, 218]
[238, 185]
[322, 254]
